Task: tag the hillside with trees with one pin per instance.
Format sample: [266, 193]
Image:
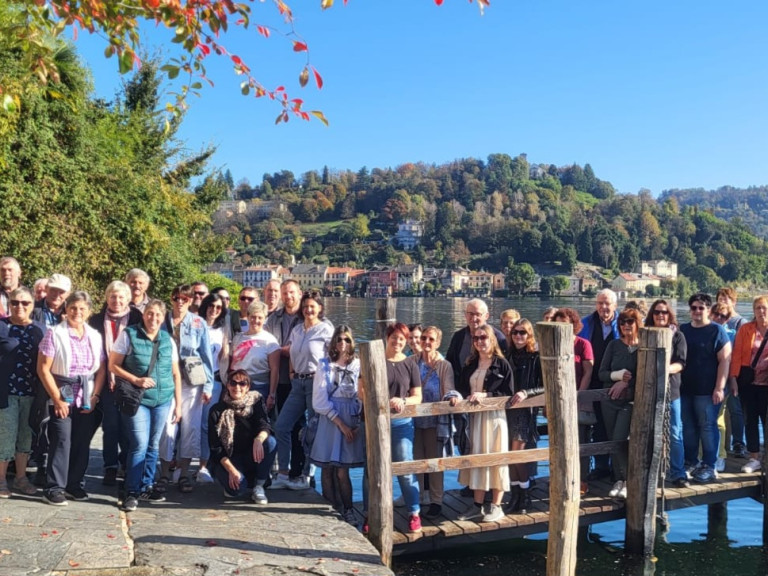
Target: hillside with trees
[495, 214]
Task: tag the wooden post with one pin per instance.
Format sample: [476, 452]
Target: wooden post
[559, 373]
[377, 440]
[764, 478]
[386, 312]
[645, 438]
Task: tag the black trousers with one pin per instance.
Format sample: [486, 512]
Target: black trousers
[69, 446]
[754, 403]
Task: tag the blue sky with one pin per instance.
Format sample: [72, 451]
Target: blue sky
[652, 94]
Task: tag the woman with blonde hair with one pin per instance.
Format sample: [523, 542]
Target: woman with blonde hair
[486, 374]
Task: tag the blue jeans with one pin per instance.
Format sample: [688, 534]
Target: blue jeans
[402, 451]
[144, 430]
[251, 473]
[676, 450]
[298, 402]
[115, 438]
[699, 417]
[205, 448]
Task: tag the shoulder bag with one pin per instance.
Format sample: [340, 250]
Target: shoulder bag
[127, 396]
[747, 373]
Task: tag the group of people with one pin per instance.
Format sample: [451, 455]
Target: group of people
[262, 391]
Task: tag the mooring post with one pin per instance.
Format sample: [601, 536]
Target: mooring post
[559, 373]
[373, 366]
[645, 438]
[386, 313]
[764, 478]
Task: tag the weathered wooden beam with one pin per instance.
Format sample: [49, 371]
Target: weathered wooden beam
[559, 373]
[373, 368]
[645, 438]
[386, 314]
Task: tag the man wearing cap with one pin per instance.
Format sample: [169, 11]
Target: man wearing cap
[10, 276]
[49, 310]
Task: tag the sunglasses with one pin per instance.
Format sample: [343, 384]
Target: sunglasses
[347, 340]
[698, 308]
[428, 339]
[627, 321]
[216, 307]
[720, 316]
[519, 333]
[223, 297]
[661, 312]
[181, 299]
[242, 383]
[200, 293]
[479, 337]
[24, 303]
[246, 299]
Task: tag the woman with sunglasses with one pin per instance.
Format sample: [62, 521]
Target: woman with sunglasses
[308, 344]
[241, 443]
[340, 440]
[523, 357]
[130, 358]
[18, 383]
[617, 373]
[662, 315]
[436, 383]
[214, 309]
[184, 437]
[486, 374]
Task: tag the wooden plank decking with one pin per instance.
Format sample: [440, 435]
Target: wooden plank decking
[596, 506]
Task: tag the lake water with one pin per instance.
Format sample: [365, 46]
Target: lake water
[727, 544]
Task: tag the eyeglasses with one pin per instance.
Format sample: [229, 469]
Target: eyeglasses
[247, 298]
[216, 307]
[720, 316]
[180, 299]
[661, 312]
[428, 339]
[698, 308]
[200, 293]
[243, 383]
[224, 297]
[480, 337]
[347, 340]
[519, 333]
[24, 303]
[627, 321]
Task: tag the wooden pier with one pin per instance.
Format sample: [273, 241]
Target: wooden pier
[558, 508]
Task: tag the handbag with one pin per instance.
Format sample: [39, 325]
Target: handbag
[127, 396]
[193, 370]
[747, 373]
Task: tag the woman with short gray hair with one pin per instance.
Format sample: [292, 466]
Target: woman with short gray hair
[116, 315]
[251, 350]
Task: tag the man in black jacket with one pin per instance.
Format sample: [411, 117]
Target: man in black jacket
[50, 309]
[476, 314]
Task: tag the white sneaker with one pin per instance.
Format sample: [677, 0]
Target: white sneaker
[204, 476]
[614, 493]
[720, 464]
[751, 466]
[623, 492]
[279, 482]
[300, 483]
[399, 502]
[258, 495]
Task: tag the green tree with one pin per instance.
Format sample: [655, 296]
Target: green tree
[520, 277]
[561, 283]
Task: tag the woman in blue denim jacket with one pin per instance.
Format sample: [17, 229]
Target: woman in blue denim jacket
[190, 332]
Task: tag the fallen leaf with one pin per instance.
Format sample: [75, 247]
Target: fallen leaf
[74, 564]
[111, 536]
[5, 552]
[44, 534]
[54, 531]
[7, 520]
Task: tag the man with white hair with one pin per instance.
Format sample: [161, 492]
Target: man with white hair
[600, 327]
[10, 277]
[476, 314]
[138, 280]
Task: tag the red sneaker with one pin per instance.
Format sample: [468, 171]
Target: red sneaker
[414, 523]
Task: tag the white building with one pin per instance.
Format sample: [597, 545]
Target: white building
[409, 234]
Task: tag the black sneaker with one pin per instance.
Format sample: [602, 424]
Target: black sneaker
[467, 492]
[76, 494]
[110, 477]
[55, 498]
[152, 496]
[434, 511]
[39, 479]
[131, 503]
[681, 483]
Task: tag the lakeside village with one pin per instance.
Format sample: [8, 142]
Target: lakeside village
[651, 278]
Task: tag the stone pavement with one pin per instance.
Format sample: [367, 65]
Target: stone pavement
[190, 534]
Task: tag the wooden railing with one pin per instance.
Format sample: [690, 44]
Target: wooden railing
[561, 400]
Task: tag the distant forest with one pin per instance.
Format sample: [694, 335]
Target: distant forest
[498, 213]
